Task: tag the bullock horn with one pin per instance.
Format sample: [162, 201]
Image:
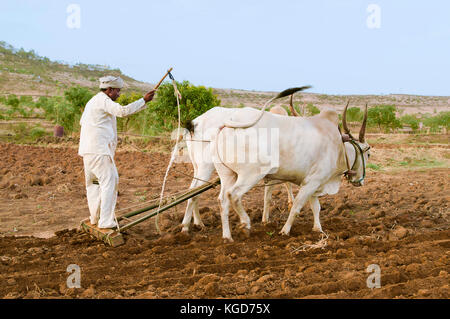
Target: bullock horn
[344, 121]
[362, 131]
[291, 106]
[292, 91]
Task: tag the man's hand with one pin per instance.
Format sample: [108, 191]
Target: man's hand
[149, 96]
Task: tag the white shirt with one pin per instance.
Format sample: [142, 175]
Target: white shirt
[99, 125]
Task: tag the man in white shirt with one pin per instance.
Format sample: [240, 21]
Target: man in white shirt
[98, 141]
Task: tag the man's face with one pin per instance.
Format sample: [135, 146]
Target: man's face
[113, 93]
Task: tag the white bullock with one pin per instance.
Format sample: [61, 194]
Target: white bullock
[198, 146]
[309, 152]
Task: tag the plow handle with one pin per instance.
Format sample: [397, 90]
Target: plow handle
[159, 83]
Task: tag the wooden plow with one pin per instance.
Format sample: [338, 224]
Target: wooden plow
[113, 237]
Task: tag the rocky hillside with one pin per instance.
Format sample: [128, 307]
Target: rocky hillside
[26, 73]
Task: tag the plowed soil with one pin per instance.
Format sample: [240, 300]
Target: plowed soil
[398, 220]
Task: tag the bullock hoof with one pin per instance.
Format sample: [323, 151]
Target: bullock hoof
[185, 229]
[284, 232]
[228, 240]
[317, 229]
[199, 227]
[245, 232]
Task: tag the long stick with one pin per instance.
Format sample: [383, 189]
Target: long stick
[159, 83]
[180, 199]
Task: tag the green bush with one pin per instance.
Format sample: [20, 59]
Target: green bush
[49, 106]
[65, 111]
[374, 166]
[312, 110]
[410, 120]
[26, 100]
[354, 114]
[78, 97]
[12, 101]
[37, 132]
[441, 119]
[383, 116]
[195, 101]
[67, 115]
[132, 121]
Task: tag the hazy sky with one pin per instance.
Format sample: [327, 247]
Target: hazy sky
[339, 47]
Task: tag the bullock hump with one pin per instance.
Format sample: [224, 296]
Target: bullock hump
[330, 114]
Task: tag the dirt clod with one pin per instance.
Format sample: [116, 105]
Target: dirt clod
[380, 223]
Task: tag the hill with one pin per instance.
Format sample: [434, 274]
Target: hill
[26, 73]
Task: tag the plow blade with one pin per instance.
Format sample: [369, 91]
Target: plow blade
[110, 237]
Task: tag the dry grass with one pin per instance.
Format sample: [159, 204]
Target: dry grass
[414, 157]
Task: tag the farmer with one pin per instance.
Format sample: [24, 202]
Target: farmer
[98, 141]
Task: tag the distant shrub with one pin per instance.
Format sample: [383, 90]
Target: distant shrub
[78, 97]
[354, 114]
[26, 100]
[312, 109]
[12, 101]
[374, 166]
[410, 120]
[37, 132]
[49, 106]
[132, 121]
[441, 119]
[383, 116]
[67, 115]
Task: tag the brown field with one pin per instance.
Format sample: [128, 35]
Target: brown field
[399, 220]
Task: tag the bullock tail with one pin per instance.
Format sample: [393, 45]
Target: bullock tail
[284, 93]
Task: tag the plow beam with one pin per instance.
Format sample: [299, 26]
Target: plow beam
[114, 238]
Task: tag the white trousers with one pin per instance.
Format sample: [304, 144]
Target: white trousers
[101, 198]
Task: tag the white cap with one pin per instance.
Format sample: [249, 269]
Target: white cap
[110, 81]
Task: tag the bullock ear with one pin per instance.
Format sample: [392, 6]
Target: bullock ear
[292, 91]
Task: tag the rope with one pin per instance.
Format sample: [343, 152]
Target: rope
[175, 150]
[159, 137]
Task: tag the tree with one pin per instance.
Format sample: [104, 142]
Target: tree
[123, 124]
[354, 114]
[78, 97]
[195, 101]
[383, 116]
[441, 119]
[410, 120]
